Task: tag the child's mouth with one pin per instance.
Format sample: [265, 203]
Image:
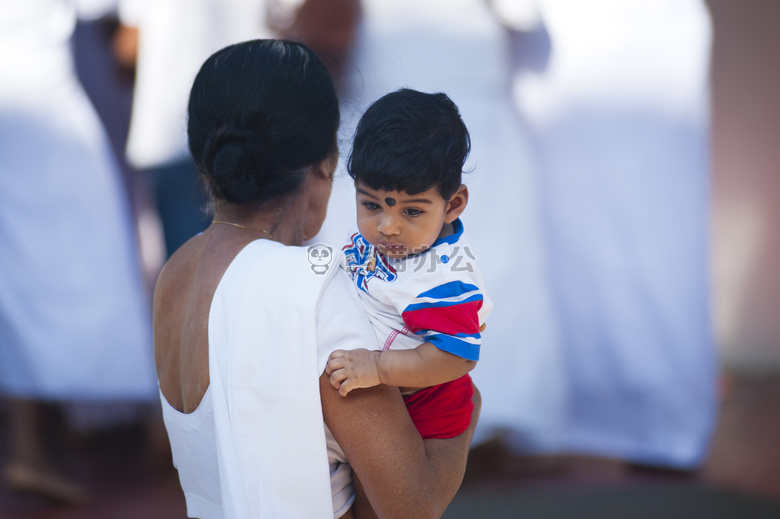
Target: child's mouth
[393, 248]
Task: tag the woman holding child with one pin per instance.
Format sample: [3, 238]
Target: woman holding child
[245, 319]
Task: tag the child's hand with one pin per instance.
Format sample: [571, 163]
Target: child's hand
[352, 369]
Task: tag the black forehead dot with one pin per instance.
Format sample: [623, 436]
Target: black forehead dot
[390, 201]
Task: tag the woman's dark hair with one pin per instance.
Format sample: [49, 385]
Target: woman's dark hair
[259, 113]
[410, 141]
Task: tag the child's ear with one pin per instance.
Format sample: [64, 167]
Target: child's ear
[456, 204]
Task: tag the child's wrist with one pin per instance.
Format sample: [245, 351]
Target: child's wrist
[378, 364]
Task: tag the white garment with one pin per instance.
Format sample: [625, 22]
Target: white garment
[256, 447]
[619, 118]
[456, 47]
[175, 38]
[194, 453]
[75, 322]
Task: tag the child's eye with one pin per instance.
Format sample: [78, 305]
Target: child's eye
[371, 206]
[414, 213]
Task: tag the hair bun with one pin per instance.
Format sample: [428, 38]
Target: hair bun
[237, 163]
[260, 114]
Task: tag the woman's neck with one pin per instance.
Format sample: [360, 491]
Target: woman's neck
[281, 223]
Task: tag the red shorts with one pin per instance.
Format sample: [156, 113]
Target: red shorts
[442, 411]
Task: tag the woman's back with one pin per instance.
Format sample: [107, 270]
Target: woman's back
[260, 368]
[182, 299]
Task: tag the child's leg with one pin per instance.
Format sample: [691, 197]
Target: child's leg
[442, 411]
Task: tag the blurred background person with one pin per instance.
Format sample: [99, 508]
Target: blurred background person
[615, 94]
[459, 48]
[74, 316]
[166, 42]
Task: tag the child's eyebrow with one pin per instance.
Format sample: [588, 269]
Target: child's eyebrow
[417, 201]
[364, 192]
[410, 201]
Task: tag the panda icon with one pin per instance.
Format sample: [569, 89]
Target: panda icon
[320, 257]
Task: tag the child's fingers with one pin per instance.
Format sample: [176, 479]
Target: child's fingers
[337, 378]
[346, 387]
[334, 364]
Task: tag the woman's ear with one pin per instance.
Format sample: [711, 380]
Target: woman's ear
[327, 168]
[456, 204]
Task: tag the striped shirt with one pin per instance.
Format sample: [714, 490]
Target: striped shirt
[436, 296]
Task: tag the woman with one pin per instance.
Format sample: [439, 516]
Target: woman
[244, 319]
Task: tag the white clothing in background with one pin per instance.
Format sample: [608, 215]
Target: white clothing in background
[75, 322]
[175, 38]
[620, 124]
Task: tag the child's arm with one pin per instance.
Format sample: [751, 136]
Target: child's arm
[423, 366]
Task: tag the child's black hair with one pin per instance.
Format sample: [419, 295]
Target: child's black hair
[410, 141]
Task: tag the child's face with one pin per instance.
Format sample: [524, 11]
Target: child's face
[399, 224]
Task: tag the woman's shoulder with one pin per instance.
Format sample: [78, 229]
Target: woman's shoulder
[290, 265]
[265, 271]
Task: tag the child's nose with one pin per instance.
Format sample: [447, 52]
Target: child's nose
[388, 225]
